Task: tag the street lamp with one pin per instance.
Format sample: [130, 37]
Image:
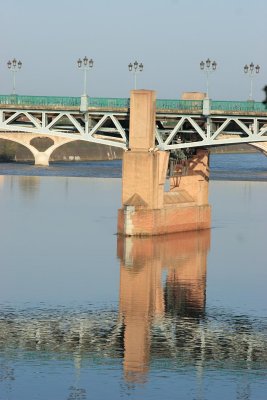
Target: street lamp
[84, 65]
[208, 67]
[14, 66]
[135, 68]
[251, 70]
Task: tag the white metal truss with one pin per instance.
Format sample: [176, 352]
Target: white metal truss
[184, 131]
[103, 128]
[173, 131]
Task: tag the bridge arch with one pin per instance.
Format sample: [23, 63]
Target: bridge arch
[85, 150]
[262, 146]
[13, 151]
[41, 158]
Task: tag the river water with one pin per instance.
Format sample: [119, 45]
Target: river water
[86, 315]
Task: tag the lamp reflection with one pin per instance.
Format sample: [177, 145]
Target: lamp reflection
[159, 275]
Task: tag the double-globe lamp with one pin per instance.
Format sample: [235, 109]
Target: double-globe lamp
[14, 66]
[251, 70]
[208, 67]
[135, 68]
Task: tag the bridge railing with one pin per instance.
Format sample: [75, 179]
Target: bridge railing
[114, 102]
[98, 102]
[39, 100]
[64, 101]
[237, 106]
[193, 105]
[161, 104]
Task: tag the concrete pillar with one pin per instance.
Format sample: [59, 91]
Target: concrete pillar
[144, 169]
[41, 158]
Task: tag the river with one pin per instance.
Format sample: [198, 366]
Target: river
[87, 315]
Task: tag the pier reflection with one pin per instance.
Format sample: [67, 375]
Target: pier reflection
[160, 276]
[2, 179]
[29, 185]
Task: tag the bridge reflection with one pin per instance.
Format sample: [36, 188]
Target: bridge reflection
[160, 277]
[162, 322]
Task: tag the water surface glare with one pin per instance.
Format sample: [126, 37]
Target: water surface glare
[87, 315]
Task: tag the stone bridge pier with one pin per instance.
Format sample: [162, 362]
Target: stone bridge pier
[146, 208]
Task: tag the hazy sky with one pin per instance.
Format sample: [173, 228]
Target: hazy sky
[170, 37]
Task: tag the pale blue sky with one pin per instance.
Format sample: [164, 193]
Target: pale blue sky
[170, 37]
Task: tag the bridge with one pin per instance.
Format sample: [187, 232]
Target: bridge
[180, 124]
[155, 134]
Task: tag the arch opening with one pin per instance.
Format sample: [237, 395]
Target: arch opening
[11, 151]
[80, 150]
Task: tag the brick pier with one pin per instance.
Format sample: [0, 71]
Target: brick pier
[146, 208]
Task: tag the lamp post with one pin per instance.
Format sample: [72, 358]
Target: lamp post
[208, 67]
[251, 70]
[84, 65]
[14, 66]
[135, 68]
